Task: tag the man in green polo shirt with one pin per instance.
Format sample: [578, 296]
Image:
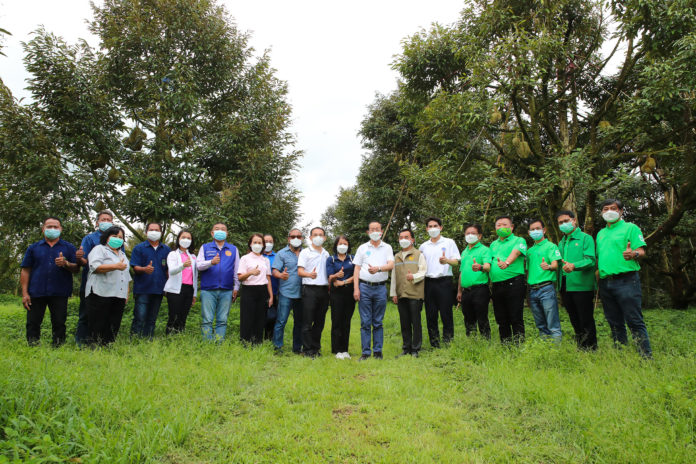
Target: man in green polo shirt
[543, 258]
[578, 279]
[619, 247]
[508, 287]
[472, 291]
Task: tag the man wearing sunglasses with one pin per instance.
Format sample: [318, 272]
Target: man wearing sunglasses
[289, 291]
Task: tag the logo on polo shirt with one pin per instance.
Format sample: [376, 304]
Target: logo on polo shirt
[410, 257]
[228, 253]
[368, 253]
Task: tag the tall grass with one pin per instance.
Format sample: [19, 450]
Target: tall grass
[180, 400]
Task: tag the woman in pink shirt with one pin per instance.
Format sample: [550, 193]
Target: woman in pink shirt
[254, 273]
[182, 282]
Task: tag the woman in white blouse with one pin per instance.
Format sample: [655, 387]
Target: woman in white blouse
[106, 290]
[181, 285]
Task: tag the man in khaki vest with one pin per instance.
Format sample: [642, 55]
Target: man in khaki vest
[407, 288]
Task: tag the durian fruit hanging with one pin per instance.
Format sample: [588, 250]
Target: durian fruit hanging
[649, 166]
[496, 116]
[521, 146]
[604, 124]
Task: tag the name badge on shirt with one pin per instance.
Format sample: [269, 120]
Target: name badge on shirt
[164, 263]
[228, 253]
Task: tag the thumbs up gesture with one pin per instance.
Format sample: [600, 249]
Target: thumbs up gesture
[340, 274]
[409, 276]
[628, 252]
[60, 260]
[476, 267]
[187, 263]
[443, 258]
[284, 275]
[255, 271]
[216, 259]
[149, 269]
[122, 264]
[544, 265]
[502, 264]
[80, 253]
[313, 274]
[568, 267]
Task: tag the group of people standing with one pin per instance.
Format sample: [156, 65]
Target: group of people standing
[307, 281]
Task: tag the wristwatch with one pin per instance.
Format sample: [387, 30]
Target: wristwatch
[636, 254]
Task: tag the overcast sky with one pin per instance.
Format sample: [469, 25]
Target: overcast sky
[334, 56]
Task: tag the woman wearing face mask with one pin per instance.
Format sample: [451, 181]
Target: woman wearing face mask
[254, 273]
[339, 270]
[107, 287]
[473, 292]
[181, 284]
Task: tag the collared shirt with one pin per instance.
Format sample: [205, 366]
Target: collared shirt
[377, 256]
[187, 272]
[223, 275]
[88, 243]
[547, 251]
[252, 261]
[311, 259]
[334, 265]
[434, 251]
[142, 254]
[467, 276]
[46, 278]
[612, 242]
[417, 277]
[578, 248]
[109, 284]
[287, 259]
[501, 249]
[274, 281]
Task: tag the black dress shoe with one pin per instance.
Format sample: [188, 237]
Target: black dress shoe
[415, 354]
[364, 357]
[378, 355]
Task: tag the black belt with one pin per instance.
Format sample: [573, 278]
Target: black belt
[541, 285]
[509, 281]
[373, 284]
[439, 278]
[622, 276]
[315, 286]
[473, 287]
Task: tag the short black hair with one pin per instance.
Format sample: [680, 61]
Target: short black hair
[433, 218]
[113, 230]
[535, 220]
[315, 228]
[565, 212]
[335, 245]
[611, 201]
[268, 235]
[478, 227]
[147, 226]
[406, 229]
[216, 223]
[179, 236]
[54, 218]
[504, 216]
[374, 222]
[255, 234]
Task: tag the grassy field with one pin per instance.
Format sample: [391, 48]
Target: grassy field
[178, 400]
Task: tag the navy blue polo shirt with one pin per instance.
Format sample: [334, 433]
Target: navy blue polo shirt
[142, 254]
[333, 265]
[47, 279]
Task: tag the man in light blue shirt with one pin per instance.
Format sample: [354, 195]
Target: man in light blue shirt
[289, 291]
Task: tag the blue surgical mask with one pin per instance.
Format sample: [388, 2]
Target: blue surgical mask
[52, 234]
[103, 226]
[115, 242]
[220, 235]
[567, 227]
[536, 234]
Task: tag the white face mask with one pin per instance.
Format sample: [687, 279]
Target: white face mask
[471, 238]
[318, 240]
[256, 247]
[404, 243]
[611, 216]
[269, 247]
[154, 235]
[433, 232]
[375, 236]
[185, 243]
[296, 242]
[342, 248]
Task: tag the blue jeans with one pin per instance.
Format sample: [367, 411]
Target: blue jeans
[145, 314]
[285, 304]
[544, 306]
[372, 305]
[215, 305]
[621, 300]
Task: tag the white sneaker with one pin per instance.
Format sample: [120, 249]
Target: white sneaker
[346, 355]
[339, 356]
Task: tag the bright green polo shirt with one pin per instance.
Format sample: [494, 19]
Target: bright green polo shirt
[548, 252]
[611, 243]
[468, 277]
[502, 249]
[578, 248]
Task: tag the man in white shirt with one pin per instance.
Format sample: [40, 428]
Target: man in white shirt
[440, 254]
[311, 266]
[373, 261]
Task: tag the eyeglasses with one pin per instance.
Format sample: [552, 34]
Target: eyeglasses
[294, 236]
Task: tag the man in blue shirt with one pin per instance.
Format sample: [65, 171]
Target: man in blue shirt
[273, 310]
[289, 292]
[149, 262]
[47, 280]
[105, 220]
[217, 265]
